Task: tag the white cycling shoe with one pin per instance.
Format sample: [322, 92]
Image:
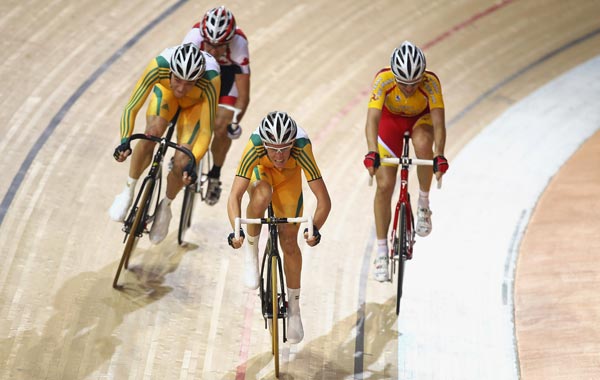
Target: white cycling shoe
[423, 221]
[295, 331]
[160, 226]
[251, 269]
[381, 271]
[121, 204]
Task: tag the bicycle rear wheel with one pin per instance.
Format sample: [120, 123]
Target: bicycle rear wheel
[140, 214]
[401, 241]
[275, 310]
[187, 209]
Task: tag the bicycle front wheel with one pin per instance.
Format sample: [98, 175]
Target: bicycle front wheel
[185, 221]
[275, 310]
[401, 241]
[140, 214]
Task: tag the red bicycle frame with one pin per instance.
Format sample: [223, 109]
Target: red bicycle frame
[404, 199]
[403, 235]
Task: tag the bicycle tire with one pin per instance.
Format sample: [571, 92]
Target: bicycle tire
[187, 209]
[133, 236]
[401, 250]
[275, 310]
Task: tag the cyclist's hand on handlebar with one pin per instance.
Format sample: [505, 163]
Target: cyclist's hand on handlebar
[234, 131]
[236, 243]
[313, 240]
[372, 162]
[440, 166]
[189, 174]
[122, 151]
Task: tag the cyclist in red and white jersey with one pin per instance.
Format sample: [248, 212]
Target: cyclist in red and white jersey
[218, 35]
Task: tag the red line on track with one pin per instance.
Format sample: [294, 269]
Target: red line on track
[362, 95]
[333, 122]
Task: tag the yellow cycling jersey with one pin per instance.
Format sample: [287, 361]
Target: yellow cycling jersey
[386, 92]
[301, 157]
[158, 71]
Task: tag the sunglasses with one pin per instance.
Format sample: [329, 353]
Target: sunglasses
[279, 150]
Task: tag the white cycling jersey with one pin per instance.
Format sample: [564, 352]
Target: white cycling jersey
[236, 54]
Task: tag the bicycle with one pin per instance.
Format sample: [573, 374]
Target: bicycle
[144, 207]
[272, 285]
[403, 228]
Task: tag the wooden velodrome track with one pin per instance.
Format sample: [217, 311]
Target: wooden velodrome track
[67, 71]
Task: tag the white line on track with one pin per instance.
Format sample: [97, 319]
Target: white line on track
[457, 308]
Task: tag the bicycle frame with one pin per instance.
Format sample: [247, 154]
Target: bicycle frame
[404, 199]
[135, 224]
[273, 298]
[403, 231]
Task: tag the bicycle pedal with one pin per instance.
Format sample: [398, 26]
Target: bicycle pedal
[126, 228]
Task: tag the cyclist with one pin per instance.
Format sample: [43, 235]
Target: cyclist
[405, 97]
[184, 83]
[270, 170]
[218, 35]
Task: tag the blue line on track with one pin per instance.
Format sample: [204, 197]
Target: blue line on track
[51, 127]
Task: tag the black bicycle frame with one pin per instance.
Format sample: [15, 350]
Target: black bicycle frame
[272, 250]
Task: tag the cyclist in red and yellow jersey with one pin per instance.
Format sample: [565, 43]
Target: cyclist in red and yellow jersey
[405, 97]
[270, 169]
[183, 83]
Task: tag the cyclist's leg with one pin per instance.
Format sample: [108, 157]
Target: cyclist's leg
[386, 182]
[390, 142]
[221, 142]
[288, 237]
[162, 108]
[156, 123]
[193, 133]
[422, 137]
[391, 128]
[260, 192]
[288, 202]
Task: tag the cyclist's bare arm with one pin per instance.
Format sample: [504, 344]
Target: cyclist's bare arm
[371, 131]
[238, 188]
[438, 120]
[319, 189]
[242, 82]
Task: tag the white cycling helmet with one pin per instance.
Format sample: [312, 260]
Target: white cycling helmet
[218, 25]
[187, 62]
[277, 128]
[408, 63]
